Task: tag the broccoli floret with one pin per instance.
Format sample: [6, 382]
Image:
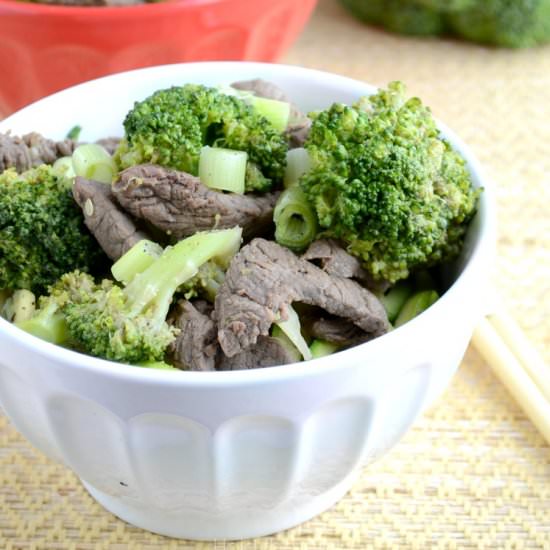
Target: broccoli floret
[400, 16]
[42, 231]
[509, 23]
[129, 324]
[171, 126]
[385, 183]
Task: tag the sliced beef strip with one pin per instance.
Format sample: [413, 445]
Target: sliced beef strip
[266, 352]
[196, 346]
[336, 261]
[264, 278]
[180, 205]
[113, 228]
[30, 150]
[337, 331]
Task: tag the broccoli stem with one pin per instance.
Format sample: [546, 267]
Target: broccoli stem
[320, 348]
[155, 286]
[48, 325]
[295, 221]
[415, 305]
[395, 299]
[136, 260]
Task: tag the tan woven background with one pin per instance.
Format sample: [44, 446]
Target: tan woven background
[474, 472]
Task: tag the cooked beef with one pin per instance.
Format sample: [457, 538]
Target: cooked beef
[196, 346]
[334, 259]
[267, 352]
[337, 331]
[297, 132]
[30, 150]
[264, 278]
[114, 230]
[181, 205]
[110, 144]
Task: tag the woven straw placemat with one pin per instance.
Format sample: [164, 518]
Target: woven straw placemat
[473, 472]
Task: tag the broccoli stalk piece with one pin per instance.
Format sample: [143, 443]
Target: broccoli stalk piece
[385, 183]
[172, 126]
[48, 324]
[42, 231]
[129, 324]
[48, 321]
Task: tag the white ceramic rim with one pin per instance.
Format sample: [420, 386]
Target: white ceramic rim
[483, 248]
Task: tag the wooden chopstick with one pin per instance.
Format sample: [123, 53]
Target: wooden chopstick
[518, 365]
[526, 354]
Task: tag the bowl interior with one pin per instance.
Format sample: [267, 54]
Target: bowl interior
[100, 106]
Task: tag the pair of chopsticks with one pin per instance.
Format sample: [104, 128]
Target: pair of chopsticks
[518, 365]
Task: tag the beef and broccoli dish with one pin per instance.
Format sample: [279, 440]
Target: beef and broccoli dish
[225, 229]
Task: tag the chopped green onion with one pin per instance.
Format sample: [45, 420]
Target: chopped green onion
[277, 112]
[298, 163]
[63, 168]
[415, 305]
[320, 348]
[223, 169]
[291, 327]
[74, 132]
[294, 218]
[394, 300]
[136, 260]
[93, 162]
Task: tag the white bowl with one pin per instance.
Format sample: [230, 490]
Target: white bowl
[231, 455]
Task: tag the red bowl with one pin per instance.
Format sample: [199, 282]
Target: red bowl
[45, 48]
